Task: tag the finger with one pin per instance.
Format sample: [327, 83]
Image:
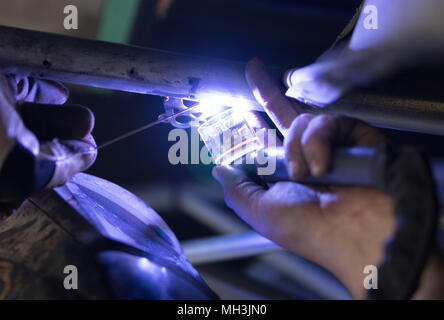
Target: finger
[241, 194]
[316, 143]
[69, 156]
[255, 120]
[296, 165]
[355, 132]
[325, 81]
[307, 85]
[269, 94]
[28, 89]
[324, 131]
[69, 122]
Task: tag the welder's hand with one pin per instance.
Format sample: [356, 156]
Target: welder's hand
[42, 143]
[341, 228]
[385, 37]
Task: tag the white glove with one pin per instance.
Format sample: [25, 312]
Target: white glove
[388, 36]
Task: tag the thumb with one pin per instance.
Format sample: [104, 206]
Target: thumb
[69, 157]
[23, 173]
[241, 193]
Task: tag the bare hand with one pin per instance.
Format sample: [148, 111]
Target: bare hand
[341, 228]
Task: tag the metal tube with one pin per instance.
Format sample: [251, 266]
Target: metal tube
[121, 67]
[229, 247]
[393, 112]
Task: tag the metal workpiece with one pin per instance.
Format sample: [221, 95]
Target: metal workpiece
[122, 67]
[115, 234]
[389, 112]
[412, 101]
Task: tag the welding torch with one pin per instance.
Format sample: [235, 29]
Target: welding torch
[363, 166]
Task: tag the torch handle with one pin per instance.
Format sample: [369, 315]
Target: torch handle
[359, 166]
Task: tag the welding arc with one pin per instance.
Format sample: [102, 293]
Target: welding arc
[147, 126]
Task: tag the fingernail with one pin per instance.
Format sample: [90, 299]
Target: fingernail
[220, 174]
[293, 169]
[315, 169]
[215, 173]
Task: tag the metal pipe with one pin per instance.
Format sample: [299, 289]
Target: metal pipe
[392, 112]
[208, 214]
[121, 67]
[221, 248]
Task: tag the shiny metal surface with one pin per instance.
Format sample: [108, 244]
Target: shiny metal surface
[139, 254]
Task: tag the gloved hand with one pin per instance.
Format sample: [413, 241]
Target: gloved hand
[398, 35]
[42, 143]
[341, 228]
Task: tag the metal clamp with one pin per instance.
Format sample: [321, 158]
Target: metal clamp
[174, 105]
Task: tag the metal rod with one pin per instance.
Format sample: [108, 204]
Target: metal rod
[228, 247]
[144, 127]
